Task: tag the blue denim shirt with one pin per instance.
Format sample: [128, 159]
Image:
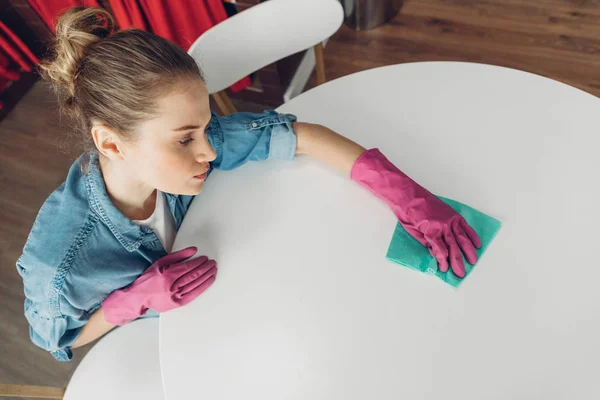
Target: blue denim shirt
[81, 248]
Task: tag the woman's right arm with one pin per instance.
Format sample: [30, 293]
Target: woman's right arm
[172, 281]
[95, 328]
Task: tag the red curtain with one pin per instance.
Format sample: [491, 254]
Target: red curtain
[49, 10]
[14, 57]
[181, 21]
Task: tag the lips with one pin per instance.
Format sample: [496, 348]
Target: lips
[202, 176]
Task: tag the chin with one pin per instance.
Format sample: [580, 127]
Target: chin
[191, 188]
[194, 189]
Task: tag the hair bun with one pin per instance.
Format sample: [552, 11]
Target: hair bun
[76, 30]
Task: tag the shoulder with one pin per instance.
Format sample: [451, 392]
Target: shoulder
[242, 137]
[61, 226]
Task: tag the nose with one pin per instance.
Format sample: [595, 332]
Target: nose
[205, 152]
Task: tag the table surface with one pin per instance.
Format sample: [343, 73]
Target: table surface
[306, 306]
[123, 365]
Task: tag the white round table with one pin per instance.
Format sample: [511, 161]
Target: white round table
[123, 365]
[306, 306]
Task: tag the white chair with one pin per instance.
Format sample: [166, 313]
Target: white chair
[123, 365]
[261, 35]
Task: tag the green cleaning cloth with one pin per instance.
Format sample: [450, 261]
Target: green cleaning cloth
[407, 251]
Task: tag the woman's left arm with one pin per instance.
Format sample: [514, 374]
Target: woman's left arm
[427, 218]
[326, 145]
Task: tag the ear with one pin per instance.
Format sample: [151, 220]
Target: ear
[107, 142]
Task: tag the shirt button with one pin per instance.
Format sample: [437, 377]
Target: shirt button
[152, 244]
[254, 124]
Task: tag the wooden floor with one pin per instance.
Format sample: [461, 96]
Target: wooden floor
[559, 39]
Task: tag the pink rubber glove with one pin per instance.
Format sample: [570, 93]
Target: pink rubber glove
[169, 283]
[428, 219]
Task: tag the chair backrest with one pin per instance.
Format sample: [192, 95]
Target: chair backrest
[124, 365]
[262, 35]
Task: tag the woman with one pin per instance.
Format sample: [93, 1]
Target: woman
[98, 253]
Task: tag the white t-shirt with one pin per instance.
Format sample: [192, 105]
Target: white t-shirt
[161, 222]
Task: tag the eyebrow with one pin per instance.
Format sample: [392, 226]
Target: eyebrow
[186, 128]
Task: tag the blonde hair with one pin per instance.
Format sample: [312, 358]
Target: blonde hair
[101, 74]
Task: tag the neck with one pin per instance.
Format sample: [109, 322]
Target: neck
[133, 198]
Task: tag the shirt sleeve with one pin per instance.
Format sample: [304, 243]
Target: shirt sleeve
[242, 137]
[52, 333]
[54, 324]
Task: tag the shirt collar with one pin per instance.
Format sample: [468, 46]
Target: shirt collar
[129, 234]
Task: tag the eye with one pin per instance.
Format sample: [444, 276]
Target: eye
[185, 142]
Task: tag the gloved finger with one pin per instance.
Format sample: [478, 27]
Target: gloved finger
[193, 273]
[201, 279]
[192, 277]
[473, 236]
[189, 296]
[184, 267]
[439, 251]
[456, 259]
[430, 251]
[176, 257]
[465, 243]
[417, 235]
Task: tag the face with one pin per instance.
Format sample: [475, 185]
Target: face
[171, 152]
